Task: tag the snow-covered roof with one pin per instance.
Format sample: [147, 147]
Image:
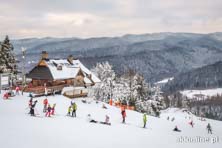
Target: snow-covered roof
[94, 78]
[66, 72]
[69, 70]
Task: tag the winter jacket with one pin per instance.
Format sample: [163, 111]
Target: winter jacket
[144, 118]
[45, 102]
[124, 113]
[69, 109]
[74, 106]
[49, 109]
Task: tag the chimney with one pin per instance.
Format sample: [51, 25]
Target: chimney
[44, 55]
[70, 59]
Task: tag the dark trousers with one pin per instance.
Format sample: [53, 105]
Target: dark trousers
[209, 131]
[144, 126]
[32, 112]
[74, 113]
[123, 119]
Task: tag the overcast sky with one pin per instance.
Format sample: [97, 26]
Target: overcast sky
[95, 18]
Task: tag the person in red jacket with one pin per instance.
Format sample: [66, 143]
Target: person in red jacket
[45, 103]
[6, 96]
[123, 115]
[17, 89]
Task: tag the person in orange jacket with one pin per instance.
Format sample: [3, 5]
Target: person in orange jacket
[110, 102]
[123, 112]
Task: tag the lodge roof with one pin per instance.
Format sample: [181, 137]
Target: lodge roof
[66, 70]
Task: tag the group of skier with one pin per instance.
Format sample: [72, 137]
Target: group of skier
[72, 109]
[191, 123]
[47, 108]
[50, 110]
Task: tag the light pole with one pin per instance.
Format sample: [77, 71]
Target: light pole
[23, 66]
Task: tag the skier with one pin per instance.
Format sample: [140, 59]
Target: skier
[90, 119]
[45, 103]
[176, 129]
[30, 95]
[110, 102]
[32, 108]
[191, 123]
[172, 119]
[104, 106]
[17, 90]
[30, 102]
[74, 108]
[123, 114]
[168, 118]
[106, 120]
[6, 96]
[209, 129]
[48, 113]
[144, 120]
[69, 110]
[53, 109]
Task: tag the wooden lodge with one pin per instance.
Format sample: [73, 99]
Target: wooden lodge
[55, 74]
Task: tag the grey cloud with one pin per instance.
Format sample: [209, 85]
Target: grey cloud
[85, 18]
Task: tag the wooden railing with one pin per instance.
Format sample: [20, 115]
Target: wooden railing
[41, 89]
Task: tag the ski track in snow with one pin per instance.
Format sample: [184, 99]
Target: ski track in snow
[19, 129]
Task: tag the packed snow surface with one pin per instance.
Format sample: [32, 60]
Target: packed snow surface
[19, 129]
[202, 93]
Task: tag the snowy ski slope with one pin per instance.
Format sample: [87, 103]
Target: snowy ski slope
[20, 130]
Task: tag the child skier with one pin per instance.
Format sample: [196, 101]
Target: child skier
[53, 109]
[32, 108]
[110, 102]
[209, 129]
[176, 129]
[30, 105]
[6, 96]
[74, 108]
[89, 118]
[45, 103]
[30, 94]
[144, 120]
[48, 113]
[106, 120]
[123, 114]
[69, 110]
[17, 90]
[191, 123]
[104, 106]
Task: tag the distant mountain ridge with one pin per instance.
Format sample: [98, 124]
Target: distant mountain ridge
[209, 76]
[156, 56]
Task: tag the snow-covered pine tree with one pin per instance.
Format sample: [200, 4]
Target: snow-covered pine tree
[104, 90]
[136, 87]
[7, 58]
